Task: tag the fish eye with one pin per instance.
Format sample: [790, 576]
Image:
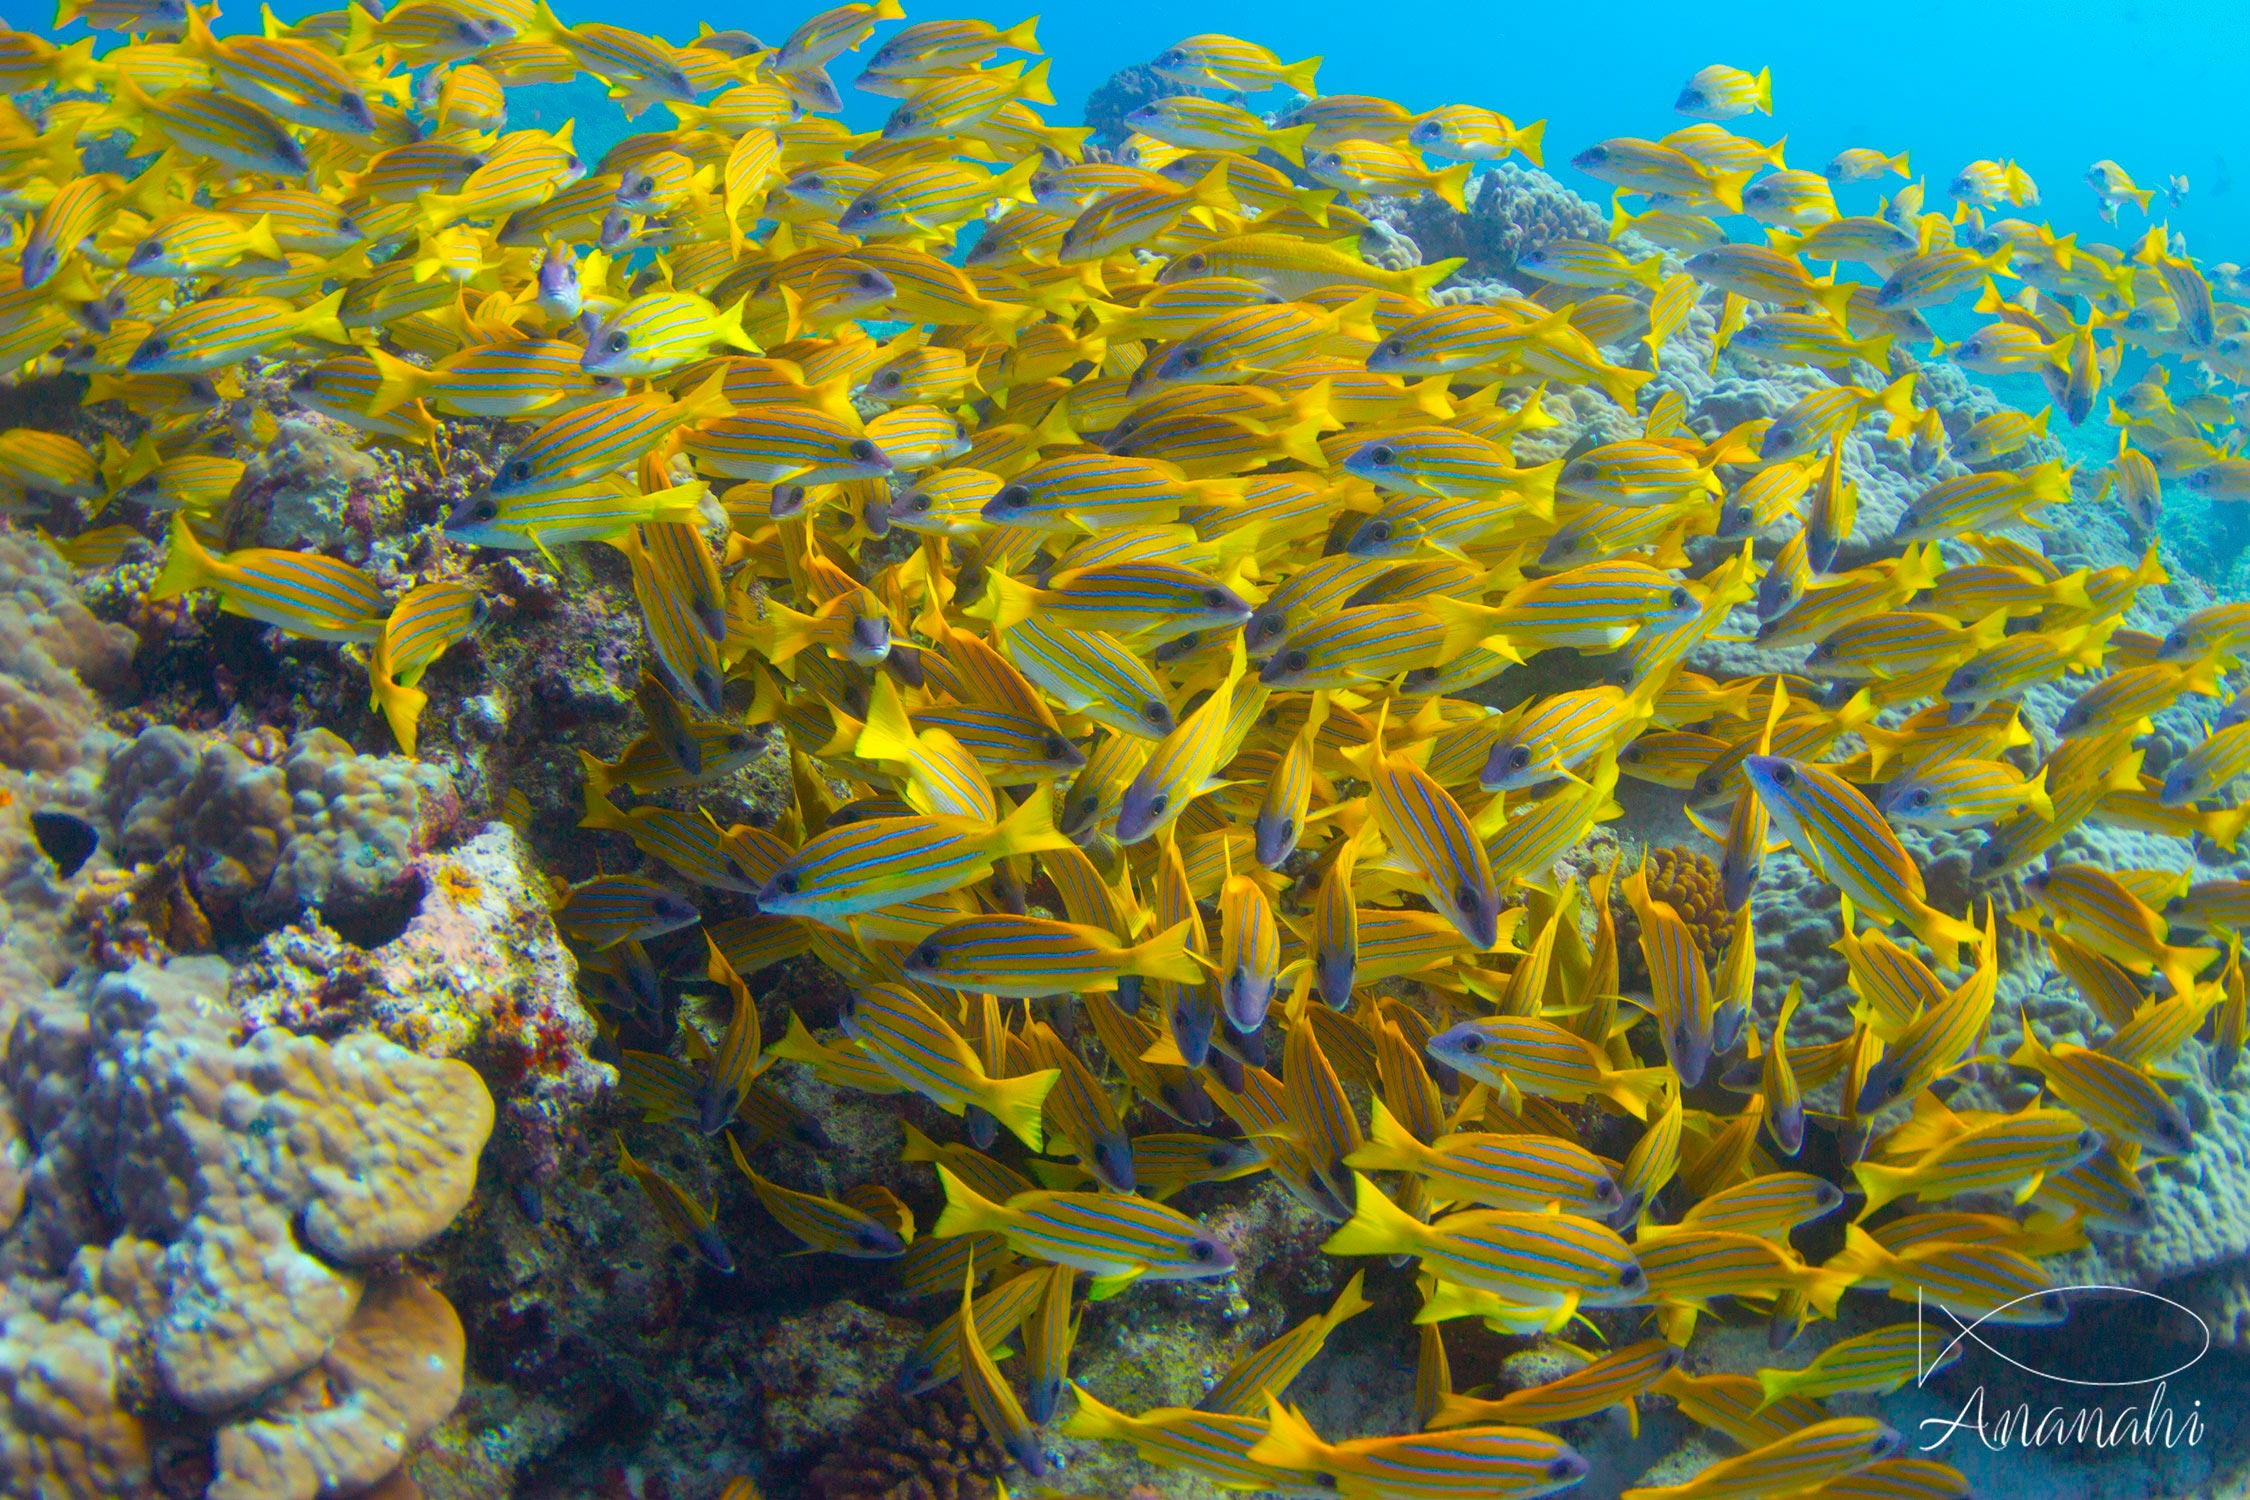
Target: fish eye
[1472, 1043]
[1376, 531]
[862, 451]
[1055, 747]
[1194, 265]
[1155, 712]
[1014, 497]
[1784, 775]
[929, 955]
[1520, 757]
[1202, 1251]
[1394, 346]
[1216, 599]
[1921, 798]
[1296, 660]
[1159, 802]
[868, 281]
[906, 116]
[919, 502]
[520, 469]
[786, 882]
[1465, 898]
[888, 380]
[1681, 598]
[1629, 1277]
[486, 510]
[618, 342]
[1382, 455]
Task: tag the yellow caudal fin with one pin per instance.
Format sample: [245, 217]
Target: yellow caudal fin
[1300, 75]
[1529, 140]
[1030, 828]
[966, 1210]
[1389, 1147]
[1290, 1442]
[1377, 1225]
[1882, 1184]
[1017, 1102]
[186, 564]
[1862, 1256]
[398, 382]
[1290, 143]
[319, 321]
[401, 706]
[1451, 185]
[1094, 1420]
[1166, 956]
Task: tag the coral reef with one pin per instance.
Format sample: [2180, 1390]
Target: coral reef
[927, 1448]
[316, 827]
[213, 1208]
[1512, 211]
[1688, 880]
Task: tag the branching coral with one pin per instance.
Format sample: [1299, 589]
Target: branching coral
[929, 1448]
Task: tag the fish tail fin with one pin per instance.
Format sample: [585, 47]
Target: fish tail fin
[1531, 141]
[1761, 97]
[259, 237]
[1420, 279]
[1030, 828]
[1824, 1288]
[2181, 965]
[966, 1210]
[2142, 196]
[398, 382]
[1300, 75]
[1897, 399]
[1898, 164]
[1092, 1419]
[1021, 37]
[1377, 1225]
[1290, 1442]
[1166, 956]
[1432, 397]
[1017, 1104]
[600, 811]
[1033, 88]
[187, 565]
[888, 733]
[1862, 1256]
[1451, 185]
[319, 321]
[2036, 797]
[1776, 1384]
[1635, 1089]
[1008, 601]
[1290, 143]
[601, 776]
[1389, 1146]
[1649, 273]
[1882, 1184]
[1875, 349]
[1727, 188]
[401, 705]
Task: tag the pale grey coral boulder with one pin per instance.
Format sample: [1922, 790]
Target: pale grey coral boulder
[325, 829]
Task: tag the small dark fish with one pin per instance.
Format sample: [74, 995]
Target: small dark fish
[65, 838]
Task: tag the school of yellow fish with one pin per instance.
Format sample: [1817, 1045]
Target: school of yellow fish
[1116, 576]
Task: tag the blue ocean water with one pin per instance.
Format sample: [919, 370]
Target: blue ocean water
[2149, 85]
